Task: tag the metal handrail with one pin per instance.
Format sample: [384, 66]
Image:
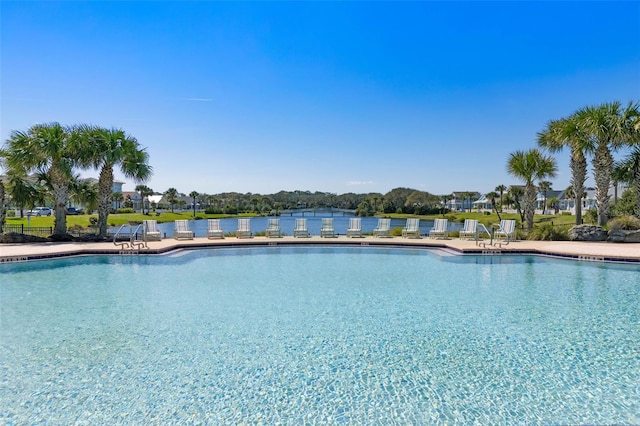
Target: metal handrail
[121, 244]
[135, 242]
[488, 233]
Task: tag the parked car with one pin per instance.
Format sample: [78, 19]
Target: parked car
[74, 210]
[41, 211]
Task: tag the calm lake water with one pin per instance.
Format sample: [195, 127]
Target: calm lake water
[259, 224]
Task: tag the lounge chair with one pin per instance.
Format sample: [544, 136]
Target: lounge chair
[244, 228]
[300, 228]
[506, 230]
[412, 228]
[440, 229]
[213, 229]
[181, 230]
[273, 228]
[383, 229]
[469, 229]
[150, 231]
[355, 227]
[327, 229]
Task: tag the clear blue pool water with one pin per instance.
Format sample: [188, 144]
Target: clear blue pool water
[319, 335]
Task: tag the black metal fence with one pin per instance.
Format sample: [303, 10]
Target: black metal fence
[38, 231]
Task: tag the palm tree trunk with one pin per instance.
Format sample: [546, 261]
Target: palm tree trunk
[60, 189]
[578, 166]
[529, 204]
[602, 165]
[60, 198]
[105, 184]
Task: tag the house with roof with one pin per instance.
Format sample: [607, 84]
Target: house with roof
[462, 200]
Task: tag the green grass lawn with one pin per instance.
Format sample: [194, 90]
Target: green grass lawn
[115, 219]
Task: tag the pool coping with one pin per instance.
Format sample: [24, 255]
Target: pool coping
[580, 251]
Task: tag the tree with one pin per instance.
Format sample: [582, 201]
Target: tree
[492, 197]
[567, 133]
[172, 197]
[607, 127]
[530, 166]
[194, 196]
[628, 171]
[85, 193]
[25, 191]
[500, 189]
[117, 198]
[45, 149]
[144, 191]
[514, 195]
[105, 149]
[545, 187]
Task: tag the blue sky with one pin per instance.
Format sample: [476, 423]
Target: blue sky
[322, 96]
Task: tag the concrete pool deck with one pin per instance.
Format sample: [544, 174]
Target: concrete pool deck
[586, 251]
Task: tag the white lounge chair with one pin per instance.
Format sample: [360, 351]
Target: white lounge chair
[506, 230]
[326, 229]
[244, 228]
[383, 229]
[213, 229]
[440, 229]
[300, 228]
[273, 228]
[469, 229]
[412, 228]
[181, 230]
[150, 231]
[355, 227]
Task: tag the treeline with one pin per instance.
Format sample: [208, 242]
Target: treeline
[399, 200]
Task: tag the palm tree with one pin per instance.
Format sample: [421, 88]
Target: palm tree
[144, 191]
[530, 166]
[172, 196]
[607, 127]
[567, 133]
[85, 193]
[492, 197]
[117, 198]
[628, 171]
[25, 191]
[500, 189]
[544, 186]
[194, 195]
[105, 149]
[514, 195]
[45, 149]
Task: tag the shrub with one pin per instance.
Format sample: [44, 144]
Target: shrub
[627, 223]
[548, 232]
[125, 210]
[213, 210]
[396, 232]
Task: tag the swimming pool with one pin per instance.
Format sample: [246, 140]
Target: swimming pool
[319, 335]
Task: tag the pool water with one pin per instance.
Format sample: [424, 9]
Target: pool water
[319, 335]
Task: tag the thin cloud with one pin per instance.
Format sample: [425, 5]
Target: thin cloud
[198, 99]
[361, 182]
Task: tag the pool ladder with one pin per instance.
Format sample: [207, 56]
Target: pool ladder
[491, 242]
[134, 243]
